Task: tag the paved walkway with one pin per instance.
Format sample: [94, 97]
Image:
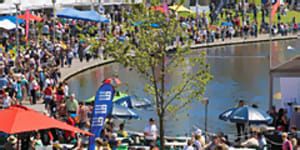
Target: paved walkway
[67, 72]
[78, 67]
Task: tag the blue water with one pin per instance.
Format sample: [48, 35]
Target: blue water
[240, 72]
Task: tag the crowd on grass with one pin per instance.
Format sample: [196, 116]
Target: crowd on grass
[32, 74]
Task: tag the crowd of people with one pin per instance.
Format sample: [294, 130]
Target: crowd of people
[32, 73]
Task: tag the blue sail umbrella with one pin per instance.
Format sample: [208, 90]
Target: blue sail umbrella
[122, 112]
[134, 102]
[245, 114]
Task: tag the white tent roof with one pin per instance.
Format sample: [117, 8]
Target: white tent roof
[8, 6]
[7, 25]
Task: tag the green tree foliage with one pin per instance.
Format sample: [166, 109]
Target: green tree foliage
[152, 60]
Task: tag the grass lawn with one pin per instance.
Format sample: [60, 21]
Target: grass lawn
[284, 19]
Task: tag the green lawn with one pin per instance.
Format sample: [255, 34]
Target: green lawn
[284, 19]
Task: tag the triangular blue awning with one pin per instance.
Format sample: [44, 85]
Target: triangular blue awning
[81, 15]
[94, 16]
[12, 19]
[69, 13]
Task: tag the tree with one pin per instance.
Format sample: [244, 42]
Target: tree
[144, 47]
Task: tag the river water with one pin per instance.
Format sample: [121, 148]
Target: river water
[240, 72]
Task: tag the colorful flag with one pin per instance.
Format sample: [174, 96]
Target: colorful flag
[275, 6]
[27, 24]
[102, 106]
[166, 8]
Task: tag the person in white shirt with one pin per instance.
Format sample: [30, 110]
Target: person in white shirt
[150, 133]
[189, 145]
[6, 100]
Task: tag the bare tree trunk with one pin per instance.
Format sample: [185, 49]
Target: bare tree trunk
[162, 131]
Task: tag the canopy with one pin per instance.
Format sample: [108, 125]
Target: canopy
[123, 112]
[226, 24]
[7, 25]
[94, 16]
[245, 114]
[134, 102]
[31, 17]
[81, 15]
[68, 13]
[180, 8]
[12, 19]
[19, 119]
[158, 8]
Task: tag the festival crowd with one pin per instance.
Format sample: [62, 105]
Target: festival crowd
[32, 74]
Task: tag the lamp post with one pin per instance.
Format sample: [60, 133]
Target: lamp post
[17, 4]
[205, 102]
[54, 19]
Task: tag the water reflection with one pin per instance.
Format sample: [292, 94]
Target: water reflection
[240, 72]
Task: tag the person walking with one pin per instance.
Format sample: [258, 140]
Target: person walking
[150, 133]
[240, 126]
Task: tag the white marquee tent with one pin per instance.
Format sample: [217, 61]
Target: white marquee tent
[8, 6]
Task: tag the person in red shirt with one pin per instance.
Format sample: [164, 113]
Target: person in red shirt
[70, 135]
[48, 96]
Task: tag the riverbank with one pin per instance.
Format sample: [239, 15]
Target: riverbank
[79, 67]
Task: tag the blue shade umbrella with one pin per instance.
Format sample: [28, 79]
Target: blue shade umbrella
[122, 112]
[226, 24]
[245, 114]
[134, 102]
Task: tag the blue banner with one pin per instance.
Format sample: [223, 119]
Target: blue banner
[264, 2]
[102, 106]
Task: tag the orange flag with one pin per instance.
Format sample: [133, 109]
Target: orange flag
[27, 24]
[275, 6]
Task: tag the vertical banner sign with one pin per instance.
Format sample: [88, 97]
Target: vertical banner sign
[103, 104]
[27, 24]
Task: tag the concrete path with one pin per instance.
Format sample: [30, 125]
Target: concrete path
[66, 73]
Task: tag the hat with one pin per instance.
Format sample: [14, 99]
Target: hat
[12, 139]
[151, 119]
[114, 135]
[198, 131]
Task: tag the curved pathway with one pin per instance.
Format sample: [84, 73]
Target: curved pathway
[78, 67]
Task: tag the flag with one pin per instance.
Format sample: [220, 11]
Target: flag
[27, 24]
[102, 106]
[275, 6]
[166, 8]
[197, 8]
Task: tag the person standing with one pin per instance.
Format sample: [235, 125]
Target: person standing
[70, 135]
[240, 126]
[189, 145]
[33, 88]
[150, 133]
[48, 96]
[81, 51]
[72, 104]
[287, 145]
[83, 115]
